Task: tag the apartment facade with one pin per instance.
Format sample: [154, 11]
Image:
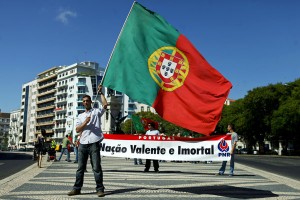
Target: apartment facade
[4, 130]
[27, 114]
[14, 130]
[45, 102]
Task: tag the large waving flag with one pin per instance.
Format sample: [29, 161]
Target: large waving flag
[154, 64]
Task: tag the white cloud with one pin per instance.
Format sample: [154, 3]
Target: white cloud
[64, 16]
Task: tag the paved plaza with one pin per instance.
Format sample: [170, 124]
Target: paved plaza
[124, 180]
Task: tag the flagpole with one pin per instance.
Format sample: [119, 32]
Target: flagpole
[116, 42]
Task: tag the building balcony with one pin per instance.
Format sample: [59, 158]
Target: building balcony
[46, 100]
[47, 77]
[45, 115]
[61, 92]
[59, 127]
[63, 100]
[46, 92]
[61, 85]
[81, 84]
[80, 108]
[44, 123]
[59, 119]
[48, 131]
[81, 92]
[60, 109]
[53, 83]
[45, 108]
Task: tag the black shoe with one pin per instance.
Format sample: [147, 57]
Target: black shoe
[75, 161]
[157, 171]
[74, 192]
[100, 194]
[146, 170]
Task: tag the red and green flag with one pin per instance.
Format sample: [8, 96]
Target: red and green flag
[154, 64]
[137, 123]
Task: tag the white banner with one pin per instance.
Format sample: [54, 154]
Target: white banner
[213, 148]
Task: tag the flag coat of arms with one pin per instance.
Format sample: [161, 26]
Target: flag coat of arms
[154, 64]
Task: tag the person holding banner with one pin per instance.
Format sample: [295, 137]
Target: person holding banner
[89, 123]
[151, 131]
[234, 139]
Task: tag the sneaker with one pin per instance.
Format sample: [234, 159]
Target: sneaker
[146, 170]
[75, 161]
[157, 171]
[230, 175]
[100, 193]
[74, 192]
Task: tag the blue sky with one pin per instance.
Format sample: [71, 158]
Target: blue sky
[252, 43]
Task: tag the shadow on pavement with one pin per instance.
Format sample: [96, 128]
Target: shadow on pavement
[228, 191]
[170, 172]
[222, 190]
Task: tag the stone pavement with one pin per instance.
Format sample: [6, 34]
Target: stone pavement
[124, 180]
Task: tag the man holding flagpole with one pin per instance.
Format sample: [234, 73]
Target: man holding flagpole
[89, 125]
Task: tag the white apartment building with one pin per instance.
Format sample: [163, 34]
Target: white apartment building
[14, 130]
[27, 119]
[73, 82]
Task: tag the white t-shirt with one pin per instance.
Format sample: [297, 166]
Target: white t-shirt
[92, 131]
[153, 132]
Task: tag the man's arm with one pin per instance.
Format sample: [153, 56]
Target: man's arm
[103, 99]
[233, 148]
[80, 127]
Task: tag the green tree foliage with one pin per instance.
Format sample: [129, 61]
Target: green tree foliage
[271, 112]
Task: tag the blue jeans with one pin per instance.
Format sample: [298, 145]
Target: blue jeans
[76, 153]
[63, 150]
[84, 151]
[222, 169]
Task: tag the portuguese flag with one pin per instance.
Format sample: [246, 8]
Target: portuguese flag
[154, 64]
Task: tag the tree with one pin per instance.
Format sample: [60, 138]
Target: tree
[285, 121]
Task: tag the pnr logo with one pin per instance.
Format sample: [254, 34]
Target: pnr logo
[223, 148]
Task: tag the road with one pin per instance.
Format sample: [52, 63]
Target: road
[287, 166]
[13, 162]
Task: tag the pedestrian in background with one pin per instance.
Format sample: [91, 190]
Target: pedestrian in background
[234, 139]
[64, 148]
[151, 131]
[89, 123]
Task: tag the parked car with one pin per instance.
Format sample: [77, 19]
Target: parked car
[244, 151]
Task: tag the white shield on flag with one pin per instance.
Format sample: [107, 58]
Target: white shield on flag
[167, 68]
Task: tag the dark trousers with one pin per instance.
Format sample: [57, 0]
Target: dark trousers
[148, 164]
[92, 151]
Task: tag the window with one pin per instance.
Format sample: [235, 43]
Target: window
[142, 108]
[148, 109]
